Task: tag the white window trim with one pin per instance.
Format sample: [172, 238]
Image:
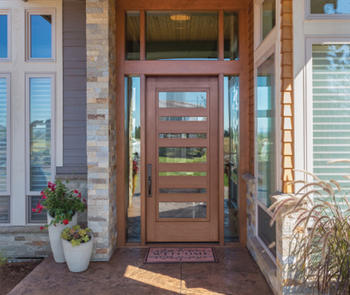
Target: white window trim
[53, 127]
[9, 47]
[315, 16]
[39, 11]
[7, 76]
[308, 102]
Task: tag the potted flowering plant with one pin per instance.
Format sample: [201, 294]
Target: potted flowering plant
[77, 245]
[62, 206]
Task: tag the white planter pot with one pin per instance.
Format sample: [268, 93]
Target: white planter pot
[77, 257]
[55, 237]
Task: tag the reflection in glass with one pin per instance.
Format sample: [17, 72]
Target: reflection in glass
[266, 233]
[265, 129]
[182, 190]
[4, 209]
[268, 16]
[3, 36]
[231, 36]
[3, 134]
[330, 7]
[40, 36]
[231, 156]
[182, 210]
[183, 173]
[132, 36]
[182, 99]
[183, 135]
[133, 152]
[182, 155]
[40, 90]
[182, 35]
[190, 119]
[331, 111]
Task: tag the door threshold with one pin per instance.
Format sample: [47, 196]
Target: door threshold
[183, 245]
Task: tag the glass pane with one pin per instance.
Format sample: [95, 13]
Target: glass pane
[231, 36]
[182, 35]
[132, 38]
[182, 190]
[268, 16]
[183, 173]
[265, 129]
[182, 155]
[4, 209]
[3, 36]
[266, 232]
[183, 118]
[40, 36]
[40, 132]
[231, 156]
[182, 209]
[182, 99]
[133, 152]
[3, 135]
[331, 111]
[33, 216]
[182, 135]
[330, 7]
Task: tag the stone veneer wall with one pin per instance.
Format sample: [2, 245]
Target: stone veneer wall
[101, 126]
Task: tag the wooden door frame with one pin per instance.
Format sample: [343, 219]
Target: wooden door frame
[218, 68]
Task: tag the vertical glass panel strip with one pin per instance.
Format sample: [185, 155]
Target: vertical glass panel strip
[231, 36]
[3, 36]
[268, 16]
[132, 36]
[265, 130]
[191, 210]
[231, 156]
[181, 35]
[3, 135]
[40, 36]
[133, 153]
[40, 132]
[182, 99]
[4, 209]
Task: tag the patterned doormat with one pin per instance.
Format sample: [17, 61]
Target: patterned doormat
[179, 255]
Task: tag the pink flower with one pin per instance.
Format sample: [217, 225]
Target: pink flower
[44, 197]
[34, 210]
[84, 200]
[76, 191]
[65, 221]
[39, 207]
[52, 186]
[42, 193]
[42, 227]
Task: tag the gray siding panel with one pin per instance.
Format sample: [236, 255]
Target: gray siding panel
[74, 88]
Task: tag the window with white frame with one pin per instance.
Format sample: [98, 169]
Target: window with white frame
[330, 111]
[4, 35]
[329, 7]
[40, 34]
[4, 149]
[268, 17]
[265, 114]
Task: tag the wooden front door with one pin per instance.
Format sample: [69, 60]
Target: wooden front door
[182, 160]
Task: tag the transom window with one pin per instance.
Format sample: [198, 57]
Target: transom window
[330, 7]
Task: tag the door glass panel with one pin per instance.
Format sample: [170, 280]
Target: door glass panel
[231, 156]
[3, 36]
[132, 36]
[182, 99]
[183, 173]
[182, 35]
[182, 210]
[191, 119]
[182, 155]
[182, 190]
[330, 7]
[182, 135]
[231, 35]
[40, 36]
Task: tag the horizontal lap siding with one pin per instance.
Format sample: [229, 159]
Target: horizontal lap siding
[74, 88]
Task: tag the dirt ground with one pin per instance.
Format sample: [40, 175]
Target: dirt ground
[12, 273]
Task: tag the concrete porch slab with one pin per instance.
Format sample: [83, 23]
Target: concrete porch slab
[235, 274]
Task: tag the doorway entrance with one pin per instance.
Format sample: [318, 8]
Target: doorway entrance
[182, 159]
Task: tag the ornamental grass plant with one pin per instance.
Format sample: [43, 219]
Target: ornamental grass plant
[320, 243]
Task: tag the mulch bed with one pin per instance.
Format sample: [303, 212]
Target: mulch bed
[12, 273]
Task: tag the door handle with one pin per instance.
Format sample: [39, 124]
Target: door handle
[149, 180]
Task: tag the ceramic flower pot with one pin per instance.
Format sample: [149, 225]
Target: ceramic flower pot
[77, 257]
[55, 237]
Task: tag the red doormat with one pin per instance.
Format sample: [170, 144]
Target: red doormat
[178, 255]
